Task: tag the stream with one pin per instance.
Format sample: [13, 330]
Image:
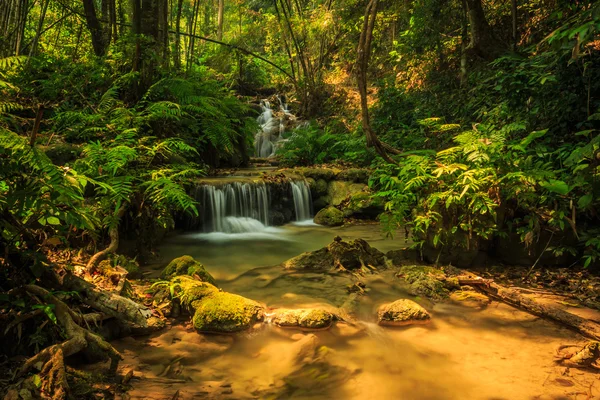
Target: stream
[464, 353]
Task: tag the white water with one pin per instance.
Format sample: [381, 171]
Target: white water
[302, 200]
[241, 228]
[250, 201]
[270, 136]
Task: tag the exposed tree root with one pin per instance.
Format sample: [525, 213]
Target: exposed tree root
[113, 233]
[78, 339]
[581, 357]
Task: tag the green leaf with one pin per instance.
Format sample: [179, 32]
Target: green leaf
[585, 200]
[53, 221]
[556, 186]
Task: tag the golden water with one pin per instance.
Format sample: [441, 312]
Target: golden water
[464, 353]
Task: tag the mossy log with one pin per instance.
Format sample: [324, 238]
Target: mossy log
[587, 328]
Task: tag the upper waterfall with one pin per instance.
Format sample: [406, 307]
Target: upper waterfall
[272, 127]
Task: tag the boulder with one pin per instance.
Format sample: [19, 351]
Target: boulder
[329, 216]
[341, 255]
[470, 298]
[403, 256]
[326, 174]
[320, 187]
[302, 318]
[223, 312]
[402, 312]
[186, 265]
[425, 281]
[358, 175]
[338, 191]
[363, 205]
[320, 203]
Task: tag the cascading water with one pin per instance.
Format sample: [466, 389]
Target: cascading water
[302, 200]
[234, 207]
[272, 127]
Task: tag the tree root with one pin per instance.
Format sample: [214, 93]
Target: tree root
[78, 339]
[113, 233]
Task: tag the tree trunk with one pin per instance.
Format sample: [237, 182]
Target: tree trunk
[177, 54]
[362, 65]
[483, 42]
[515, 38]
[220, 12]
[136, 6]
[36, 39]
[93, 25]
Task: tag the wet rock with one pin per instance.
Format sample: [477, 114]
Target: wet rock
[326, 174]
[402, 312]
[425, 281]
[223, 312]
[302, 318]
[403, 256]
[329, 216]
[338, 191]
[320, 203]
[186, 265]
[470, 298]
[363, 205]
[357, 175]
[341, 255]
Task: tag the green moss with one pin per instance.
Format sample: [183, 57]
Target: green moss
[425, 281]
[329, 216]
[190, 290]
[401, 312]
[225, 312]
[338, 191]
[358, 175]
[326, 174]
[303, 318]
[186, 265]
[363, 204]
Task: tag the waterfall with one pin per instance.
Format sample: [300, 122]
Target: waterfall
[272, 127]
[302, 200]
[234, 207]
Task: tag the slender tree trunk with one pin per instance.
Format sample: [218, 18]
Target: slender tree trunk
[113, 20]
[36, 39]
[192, 33]
[150, 29]
[220, 13]
[483, 42]
[362, 64]
[137, 31]
[515, 38]
[93, 25]
[177, 54]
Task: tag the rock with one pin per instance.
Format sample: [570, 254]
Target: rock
[353, 255]
[403, 256]
[402, 312]
[190, 289]
[357, 175]
[338, 191]
[186, 265]
[425, 281]
[320, 203]
[326, 174]
[62, 153]
[302, 318]
[329, 216]
[363, 205]
[470, 298]
[223, 312]
[320, 187]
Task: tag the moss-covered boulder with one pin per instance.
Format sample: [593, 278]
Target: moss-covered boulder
[470, 298]
[357, 175]
[186, 265]
[363, 205]
[338, 191]
[62, 153]
[402, 312]
[326, 174]
[329, 216]
[223, 312]
[302, 318]
[339, 255]
[426, 281]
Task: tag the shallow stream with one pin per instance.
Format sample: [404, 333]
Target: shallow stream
[464, 353]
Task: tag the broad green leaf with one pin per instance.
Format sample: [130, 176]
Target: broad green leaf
[556, 186]
[53, 221]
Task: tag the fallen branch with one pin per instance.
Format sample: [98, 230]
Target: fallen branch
[587, 328]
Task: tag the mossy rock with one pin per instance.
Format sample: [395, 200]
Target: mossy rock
[320, 203]
[326, 174]
[470, 298]
[186, 265]
[425, 281]
[303, 318]
[190, 289]
[341, 255]
[320, 187]
[338, 191]
[222, 312]
[362, 204]
[358, 175]
[329, 216]
[402, 312]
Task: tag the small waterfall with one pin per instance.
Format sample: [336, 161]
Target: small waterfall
[302, 200]
[234, 207]
[272, 127]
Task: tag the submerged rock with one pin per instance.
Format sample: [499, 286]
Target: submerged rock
[470, 298]
[402, 312]
[341, 255]
[224, 312]
[329, 216]
[303, 318]
[186, 265]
